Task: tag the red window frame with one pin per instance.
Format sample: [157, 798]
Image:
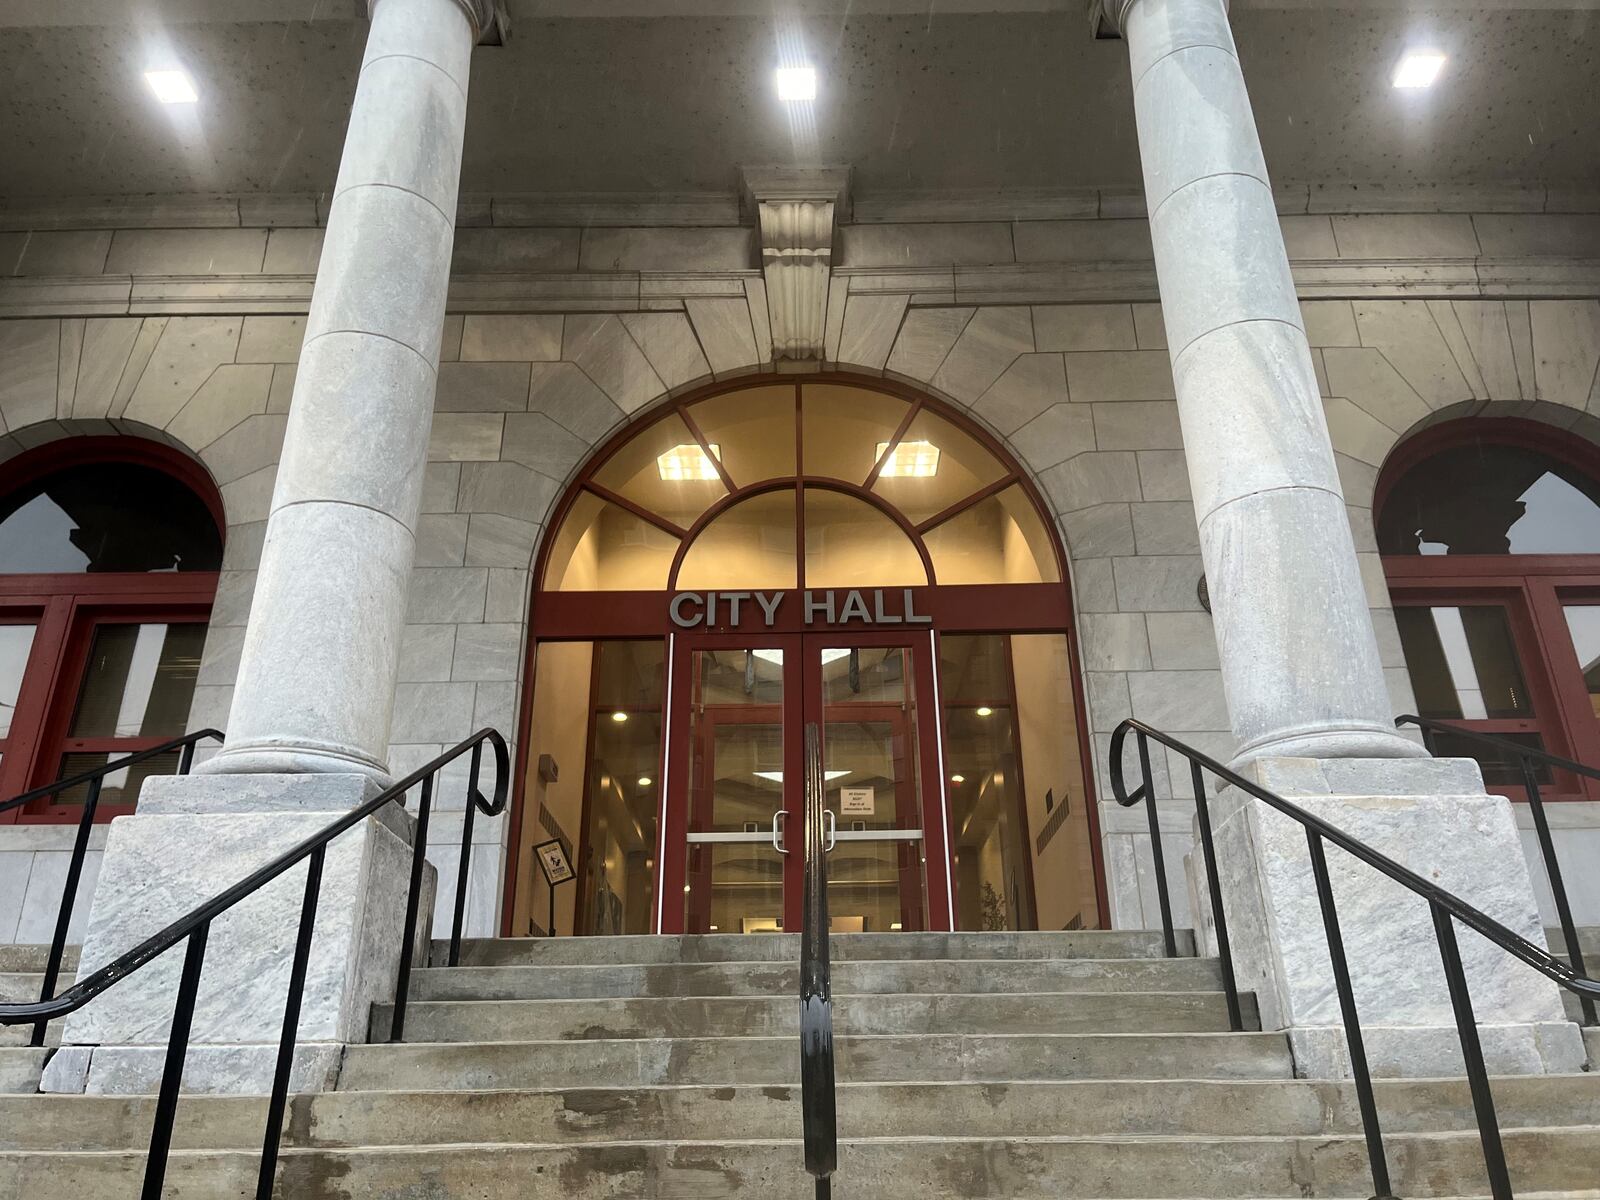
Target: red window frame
[67, 608]
[1531, 587]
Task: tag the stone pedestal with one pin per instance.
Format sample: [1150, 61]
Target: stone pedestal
[1434, 818]
[193, 837]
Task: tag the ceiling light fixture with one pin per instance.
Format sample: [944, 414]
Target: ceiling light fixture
[645, 781]
[910, 459]
[777, 776]
[688, 462]
[172, 87]
[1419, 69]
[985, 711]
[619, 717]
[796, 84]
[958, 779]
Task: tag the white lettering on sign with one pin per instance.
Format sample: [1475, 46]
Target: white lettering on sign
[857, 802]
[818, 607]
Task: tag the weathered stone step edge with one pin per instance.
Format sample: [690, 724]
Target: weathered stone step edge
[29, 957]
[771, 1060]
[910, 1013]
[642, 949]
[1132, 1108]
[860, 977]
[20, 1068]
[1221, 1168]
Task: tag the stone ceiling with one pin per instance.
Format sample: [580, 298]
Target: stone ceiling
[930, 101]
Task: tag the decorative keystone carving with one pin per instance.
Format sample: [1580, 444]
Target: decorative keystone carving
[796, 209]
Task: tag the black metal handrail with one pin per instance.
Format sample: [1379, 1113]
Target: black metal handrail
[819, 1112]
[1446, 907]
[195, 925]
[1526, 757]
[94, 779]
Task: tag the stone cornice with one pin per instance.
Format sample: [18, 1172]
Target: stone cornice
[1031, 283]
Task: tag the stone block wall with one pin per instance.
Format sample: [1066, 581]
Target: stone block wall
[1047, 332]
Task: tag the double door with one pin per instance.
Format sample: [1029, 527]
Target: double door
[732, 847]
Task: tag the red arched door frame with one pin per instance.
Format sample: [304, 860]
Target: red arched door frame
[1010, 609]
[1531, 589]
[65, 611]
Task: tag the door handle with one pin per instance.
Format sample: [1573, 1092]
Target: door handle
[777, 836]
[830, 830]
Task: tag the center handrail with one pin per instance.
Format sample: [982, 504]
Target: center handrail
[1445, 906]
[194, 926]
[818, 1104]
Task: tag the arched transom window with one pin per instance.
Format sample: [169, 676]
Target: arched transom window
[821, 485]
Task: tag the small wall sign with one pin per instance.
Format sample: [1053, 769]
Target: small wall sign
[553, 862]
[825, 606]
[857, 802]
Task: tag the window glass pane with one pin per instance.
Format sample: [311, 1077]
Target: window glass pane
[998, 540]
[15, 643]
[119, 787]
[106, 517]
[749, 546]
[1463, 662]
[1499, 768]
[1584, 622]
[1485, 498]
[664, 469]
[605, 548]
[843, 428]
[139, 681]
[934, 466]
[755, 428]
[851, 544]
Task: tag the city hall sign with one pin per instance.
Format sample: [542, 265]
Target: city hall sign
[830, 606]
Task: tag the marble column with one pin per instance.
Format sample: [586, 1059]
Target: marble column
[315, 689]
[309, 728]
[1300, 659]
[1305, 689]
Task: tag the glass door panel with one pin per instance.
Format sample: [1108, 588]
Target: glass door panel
[1583, 622]
[737, 813]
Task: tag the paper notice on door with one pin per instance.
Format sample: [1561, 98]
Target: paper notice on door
[857, 802]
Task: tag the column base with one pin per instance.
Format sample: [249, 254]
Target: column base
[1433, 817]
[1349, 740]
[195, 836]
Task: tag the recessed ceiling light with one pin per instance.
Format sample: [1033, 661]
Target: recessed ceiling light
[958, 779]
[172, 87]
[688, 462]
[796, 83]
[1418, 69]
[985, 711]
[619, 717]
[920, 459]
[645, 781]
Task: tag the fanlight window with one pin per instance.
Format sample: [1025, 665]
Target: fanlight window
[1491, 498]
[800, 485]
[100, 517]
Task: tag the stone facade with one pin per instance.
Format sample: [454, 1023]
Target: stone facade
[182, 322]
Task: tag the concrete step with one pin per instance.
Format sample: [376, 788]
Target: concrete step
[1139, 1108]
[20, 1068]
[774, 1061]
[22, 956]
[1423, 1165]
[754, 1016]
[781, 947]
[1588, 943]
[26, 985]
[21, 1035]
[859, 977]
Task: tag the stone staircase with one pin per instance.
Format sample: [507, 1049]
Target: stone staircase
[970, 1065]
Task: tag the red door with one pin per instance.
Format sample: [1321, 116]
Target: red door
[735, 762]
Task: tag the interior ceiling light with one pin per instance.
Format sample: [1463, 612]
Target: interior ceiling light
[796, 83]
[644, 781]
[777, 776]
[958, 779]
[1418, 69]
[775, 657]
[910, 459]
[172, 87]
[688, 462]
[985, 711]
[619, 717]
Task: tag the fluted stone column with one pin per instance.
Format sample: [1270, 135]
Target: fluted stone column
[1305, 688]
[1300, 659]
[315, 690]
[309, 728]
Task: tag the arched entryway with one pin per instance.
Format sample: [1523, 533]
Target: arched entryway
[1490, 535]
[109, 553]
[763, 555]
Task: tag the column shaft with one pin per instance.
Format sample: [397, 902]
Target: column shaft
[316, 677]
[1299, 656]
